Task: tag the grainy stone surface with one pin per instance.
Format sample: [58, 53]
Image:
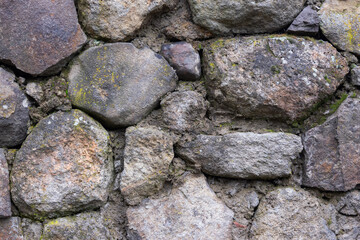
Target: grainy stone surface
[355, 76]
[14, 111]
[349, 227]
[147, 157]
[5, 203]
[340, 24]
[31, 230]
[118, 20]
[332, 150]
[184, 59]
[10, 229]
[118, 83]
[350, 204]
[245, 17]
[190, 211]
[289, 213]
[307, 23]
[279, 76]
[63, 166]
[243, 155]
[39, 36]
[184, 111]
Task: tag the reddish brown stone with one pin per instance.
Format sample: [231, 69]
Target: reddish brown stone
[5, 204]
[39, 36]
[10, 229]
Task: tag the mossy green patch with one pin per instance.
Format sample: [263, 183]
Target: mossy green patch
[337, 104]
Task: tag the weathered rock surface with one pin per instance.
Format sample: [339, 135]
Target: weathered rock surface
[14, 112]
[5, 203]
[355, 76]
[245, 17]
[10, 229]
[183, 111]
[307, 23]
[184, 59]
[191, 211]
[39, 37]
[88, 225]
[349, 227]
[350, 204]
[63, 166]
[243, 155]
[279, 76]
[332, 150]
[118, 20]
[118, 83]
[288, 213]
[340, 24]
[147, 157]
[31, 230]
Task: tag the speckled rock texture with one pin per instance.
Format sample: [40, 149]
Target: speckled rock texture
[147, 157]
[64, 166]
[340, 24]
[279, 76]
[118, 20]
[289, 213]
[14, 111]
[192, 205]
[307, 23]
[243, 155]
[5, 203]
[332, 150]
[39, 36]
[245, 17]
[355, 76]
[119, 84]
[350, 204]
[10, 229]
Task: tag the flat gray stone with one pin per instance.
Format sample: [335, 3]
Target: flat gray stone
[307, 23]
[5, 202]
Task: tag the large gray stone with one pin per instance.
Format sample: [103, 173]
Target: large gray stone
[118, 83]
[340, 24]
[5, 203]
[243, 155]
[118, 20]
[246, 16]
[332, 150]
[279, 76]
[147, 157]
[307, 23]
[191, 211]
[64, 166]
[288, 213]
[39, 36]
[14, 111]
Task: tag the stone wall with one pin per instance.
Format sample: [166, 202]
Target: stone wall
[179, 119]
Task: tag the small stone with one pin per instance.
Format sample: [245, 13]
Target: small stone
[350, 204]
[288, 213]
[340, 24]
[118, 20]
[34, 90]
[243, 155]
[118, 83]
[355, 76]
[39, 37]
[88, 225]
[279, 77]
[10, 229]
[331, 150]
[245, 17]
[14, 111]
[5, 203]
[64, 166]
[184, 59]
[183, 111]
[306, 23]
[191, 211]
[147, 157]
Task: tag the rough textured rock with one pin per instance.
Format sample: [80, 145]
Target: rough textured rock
[14, 112]
[288, 213]
[88, 225]
[183, 111]
[245, 17]
[118, 20]
[350, 204]
[280, 76]
[355, 76]
[63, 166]
[32, 230]
[307, 23]
[118, 83]
[243, 155]
[184, 59]
[349, 227]
[340, 24]
[191, 211]
[147, 157]
[10, 229]
[40, 36]
[332, 150]
[5, 203]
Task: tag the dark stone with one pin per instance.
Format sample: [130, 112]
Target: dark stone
[5, 203]
[306, 23]
[39, 36]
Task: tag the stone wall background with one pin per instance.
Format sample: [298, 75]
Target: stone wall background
[176, 119]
